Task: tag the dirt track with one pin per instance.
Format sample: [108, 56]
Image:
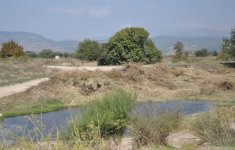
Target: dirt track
[88, 68]
[21, 87]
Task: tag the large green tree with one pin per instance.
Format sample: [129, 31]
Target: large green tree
[130, 44]
[89, 50]
[11, 49]
[228, 46]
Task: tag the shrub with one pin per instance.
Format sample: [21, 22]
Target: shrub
[154, 127]
[202, 52]
[214, 127]
[228, 46]
[31, 54]
[11, 49]
[180, 54]
[46, 53]
[109, 115]
[130, 44]
[88, 50]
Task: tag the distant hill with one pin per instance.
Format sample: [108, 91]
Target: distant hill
[166, 43]
[35, 42]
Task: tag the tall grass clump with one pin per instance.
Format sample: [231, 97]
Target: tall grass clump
[106, 116]
[153, 126]
[214, 127]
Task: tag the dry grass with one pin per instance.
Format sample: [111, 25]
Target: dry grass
[200, 79]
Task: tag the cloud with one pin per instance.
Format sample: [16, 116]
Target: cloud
[99, 12]
[150, 6]
[96, 12]
[69, 12]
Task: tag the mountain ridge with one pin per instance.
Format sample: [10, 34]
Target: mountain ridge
[35, 42]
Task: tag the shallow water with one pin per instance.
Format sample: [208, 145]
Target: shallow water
[47, 124]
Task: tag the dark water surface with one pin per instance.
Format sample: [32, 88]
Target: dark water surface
[47, 124]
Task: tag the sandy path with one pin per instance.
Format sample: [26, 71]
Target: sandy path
[20, 87]
[90, 68]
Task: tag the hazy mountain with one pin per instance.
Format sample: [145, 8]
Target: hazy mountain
[166, 43]
[35, 42]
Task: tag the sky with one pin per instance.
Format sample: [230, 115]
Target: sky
[100, 19]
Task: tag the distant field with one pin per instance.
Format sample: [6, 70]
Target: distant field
[23, 69]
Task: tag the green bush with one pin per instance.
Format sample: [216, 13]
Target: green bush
[202, 52]
[153, 128]
[108, 116]
[46, 53]
[88, 50]
[31, 54]
[11, 49]
[130, 44]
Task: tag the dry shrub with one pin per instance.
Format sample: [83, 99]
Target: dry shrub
[133, 72]
[115, 74]
[151, 128]
[214, 127]
[177, 72]
[226, 85]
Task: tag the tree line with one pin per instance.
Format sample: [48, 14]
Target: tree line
[128, 45]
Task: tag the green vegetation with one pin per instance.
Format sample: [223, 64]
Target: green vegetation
[202, 53]
[228, 46]
[88, 50]
[109, 115]
[179, 48]
[21, 108]
[11, 49]
[180, 53]
[130, 44]
[46, 53]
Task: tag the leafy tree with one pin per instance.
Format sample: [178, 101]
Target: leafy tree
[179, 48]
[130, 44]
[88, 50]
[202, 52]
[11, 49]
[31, 54]
[47, 53]
[228, 46]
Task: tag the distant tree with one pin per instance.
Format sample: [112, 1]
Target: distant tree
[59, 53]
[202, 52]
[88, 50]
[31, 54]
[214, 53]
[228, 46]
[179, 48]
[11, 49]
[46, 53]
[180, 54]
[130, 44]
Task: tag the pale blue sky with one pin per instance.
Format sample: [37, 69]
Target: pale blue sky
[78, 19]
